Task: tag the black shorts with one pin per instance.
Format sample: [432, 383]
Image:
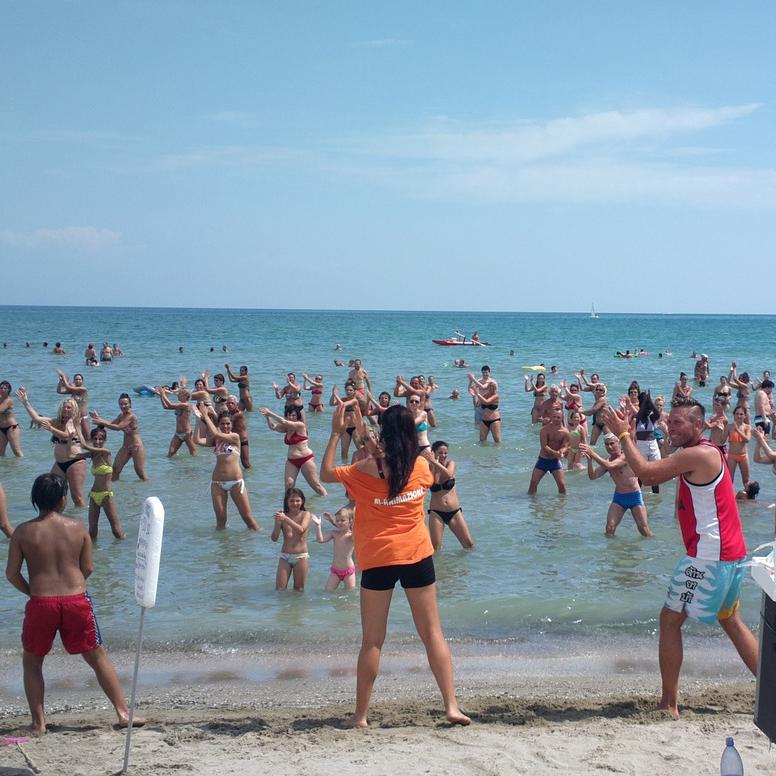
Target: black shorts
[420, 574]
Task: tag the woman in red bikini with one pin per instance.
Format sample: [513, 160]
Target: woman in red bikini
[316, 392]
[300, 456]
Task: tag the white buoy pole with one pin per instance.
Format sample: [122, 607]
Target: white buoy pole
[147, 557]
[134, 687]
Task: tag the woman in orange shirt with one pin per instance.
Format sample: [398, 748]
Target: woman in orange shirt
[392, 545]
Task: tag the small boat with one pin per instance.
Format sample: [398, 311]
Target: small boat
[593, 313]
[451, 342]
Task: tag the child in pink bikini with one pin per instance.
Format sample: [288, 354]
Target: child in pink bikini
[342, 566]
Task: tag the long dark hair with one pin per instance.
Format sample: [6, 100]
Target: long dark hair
[399, 439]
[647, 409]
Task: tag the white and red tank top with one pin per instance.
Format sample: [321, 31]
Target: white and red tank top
[708, 516]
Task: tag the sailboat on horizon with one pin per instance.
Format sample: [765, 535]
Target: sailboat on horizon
[593, 313]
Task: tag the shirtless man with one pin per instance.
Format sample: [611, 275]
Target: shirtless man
[239, 426]
[554, 440]
[360, 377]
[627, 491]
[718, 424]
[706, 582]
[58, 553]
[702, 370]
[550, 404]
[764, 416]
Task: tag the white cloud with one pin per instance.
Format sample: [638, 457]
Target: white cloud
[527, 141]
[85, 238]
[601, 157]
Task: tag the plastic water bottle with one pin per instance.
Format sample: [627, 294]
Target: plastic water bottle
[731, 764]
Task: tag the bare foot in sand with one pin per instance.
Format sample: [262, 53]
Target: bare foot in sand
[358, 722]
[671, 711]
[36, 730]
[457, 717]
[136, 721]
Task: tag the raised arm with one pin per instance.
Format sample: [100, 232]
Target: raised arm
[22, 394]
[68, 386]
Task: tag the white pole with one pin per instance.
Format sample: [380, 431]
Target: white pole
[134, 687]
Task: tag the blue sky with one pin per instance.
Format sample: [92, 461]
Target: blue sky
[438, 155]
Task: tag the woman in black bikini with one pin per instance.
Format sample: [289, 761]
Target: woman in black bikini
[445, 508]
[350, 415]
[595, 412]
[291, 392]
[243, 387]
[219, 392]
[9, 428]
[300, 456]
[67, 444]
[488, 399]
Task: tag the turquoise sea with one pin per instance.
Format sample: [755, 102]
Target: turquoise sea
[541, 567]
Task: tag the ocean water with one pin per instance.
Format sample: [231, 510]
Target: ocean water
[541, 566]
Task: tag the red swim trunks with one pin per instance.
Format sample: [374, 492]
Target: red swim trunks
[71, 615]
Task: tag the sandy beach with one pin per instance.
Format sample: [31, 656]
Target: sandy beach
[584, 714]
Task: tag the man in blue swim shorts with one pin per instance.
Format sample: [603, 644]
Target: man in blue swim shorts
[705, 583]
[627, 491]
[554, 439]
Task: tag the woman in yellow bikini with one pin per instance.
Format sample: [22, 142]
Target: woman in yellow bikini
[101, 494]
[738, 441]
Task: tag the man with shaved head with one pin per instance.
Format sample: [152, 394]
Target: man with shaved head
[706, 582]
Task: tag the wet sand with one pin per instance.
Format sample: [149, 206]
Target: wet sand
[215, 713]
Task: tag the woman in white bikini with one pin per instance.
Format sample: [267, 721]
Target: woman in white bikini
[182, 410]
[227, 474]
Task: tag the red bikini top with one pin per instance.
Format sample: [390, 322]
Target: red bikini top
[295, 439]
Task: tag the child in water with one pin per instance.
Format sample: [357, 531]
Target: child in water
[578, 434]
[342, 567]
[293, 522]
[101, 494]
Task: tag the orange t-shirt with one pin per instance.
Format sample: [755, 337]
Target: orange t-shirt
[388, 532]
